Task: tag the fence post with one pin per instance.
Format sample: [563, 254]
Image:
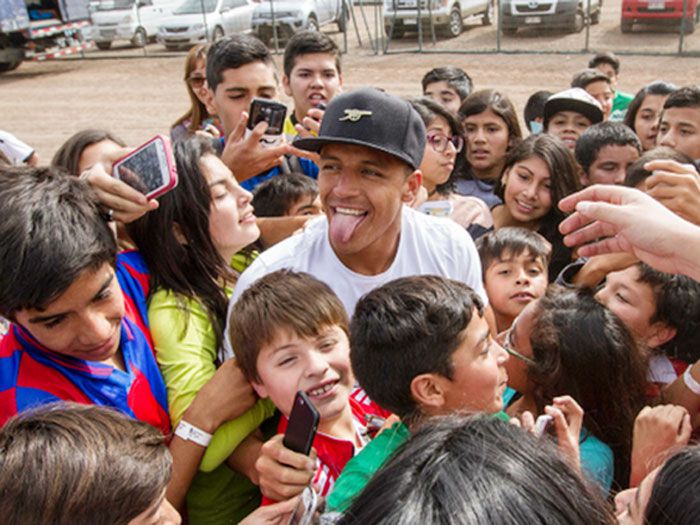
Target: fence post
[682, 28]
[588, 26]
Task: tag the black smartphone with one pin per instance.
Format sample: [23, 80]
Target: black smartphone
[274, 113]
[303, 422]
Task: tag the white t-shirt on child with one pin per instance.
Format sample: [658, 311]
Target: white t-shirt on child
[428, 246]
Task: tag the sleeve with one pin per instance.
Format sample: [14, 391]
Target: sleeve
[597, 461]
[469, 264]
[566, 276]
[15, 149]
[186, 351]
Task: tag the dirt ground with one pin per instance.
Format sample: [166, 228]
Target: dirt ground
[133, 96]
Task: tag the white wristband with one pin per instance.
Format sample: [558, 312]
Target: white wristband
[191, 433]
[690, 382]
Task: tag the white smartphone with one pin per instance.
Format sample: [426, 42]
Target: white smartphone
[150, 168]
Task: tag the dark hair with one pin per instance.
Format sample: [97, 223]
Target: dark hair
[588, 76]
[233, 52]
[456, 470]
[197, 113]
[597, 136]
[655, 88]
[52, 231]
[495, 245]
[68, 155]
[534, 108]
[407, 327]
[280, 300]
[605, 58]
[685, 97]
[429, 110]
[186, 261]
[574, 335]
[636, 174]
[69, 463]
[306, 43]
[486, 99]
[677, 299]
[674, 495]
[275, 196]
[456, 78]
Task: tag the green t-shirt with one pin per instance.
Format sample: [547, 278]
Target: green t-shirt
[620, 103]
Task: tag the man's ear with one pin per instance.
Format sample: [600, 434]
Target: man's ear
[285, 86]
[427, 392]
[661, 334]
[259, 389]
[209, 102]
[412, 185]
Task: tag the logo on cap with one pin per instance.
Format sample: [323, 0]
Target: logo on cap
[353, 115]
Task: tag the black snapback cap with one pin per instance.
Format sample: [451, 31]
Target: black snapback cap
[374, 119]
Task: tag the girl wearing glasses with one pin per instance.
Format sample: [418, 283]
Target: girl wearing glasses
[196, 118]
[444, 143]
[568, 344]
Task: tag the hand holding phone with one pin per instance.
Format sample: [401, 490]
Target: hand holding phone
[150, 168]
[302, 426]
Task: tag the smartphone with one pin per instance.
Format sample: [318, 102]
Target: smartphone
[437, 208]
[303, 422]
[150, 168]
[273, 113]
[543, 424]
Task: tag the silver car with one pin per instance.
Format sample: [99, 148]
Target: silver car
[189, 25]
[447, 15]
[291, 16]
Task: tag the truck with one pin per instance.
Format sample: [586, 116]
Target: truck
[41, 30]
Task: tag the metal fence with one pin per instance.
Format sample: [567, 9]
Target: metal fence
[419, 26]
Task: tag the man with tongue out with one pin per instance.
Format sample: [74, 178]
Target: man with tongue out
[370, 145]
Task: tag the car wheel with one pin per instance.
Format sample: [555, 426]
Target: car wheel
[689, 25]
[455, 25]
[510, 31]
[595, 17]
[140, 38]
[398, 30]
[626, 26]
[218, 34]
[9, 66]
[104, 46]
[312, 23]
[488, 17]
[577, 22]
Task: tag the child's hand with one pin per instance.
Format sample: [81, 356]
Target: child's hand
[567, 418]
[283, 473]
[658, 433]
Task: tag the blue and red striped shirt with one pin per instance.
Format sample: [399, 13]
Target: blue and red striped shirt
[32, 375]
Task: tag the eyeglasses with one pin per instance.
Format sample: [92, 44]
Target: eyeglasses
[196, 82]
[439, 142]
[506, 340]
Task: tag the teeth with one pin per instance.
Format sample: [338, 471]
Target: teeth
[349, 211]
[322, 390]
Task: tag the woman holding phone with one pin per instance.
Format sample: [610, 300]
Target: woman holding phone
[190, 244]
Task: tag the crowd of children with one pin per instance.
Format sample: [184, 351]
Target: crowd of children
[490, 326]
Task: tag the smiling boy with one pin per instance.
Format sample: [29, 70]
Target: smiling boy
[370, 144]
[79, 327]
[290, 333]
[312, 75]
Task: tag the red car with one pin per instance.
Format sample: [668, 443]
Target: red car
[657, 12]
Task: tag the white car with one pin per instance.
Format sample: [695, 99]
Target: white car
[294, 15]
[447, 15]
[189, 26]
[136, 21]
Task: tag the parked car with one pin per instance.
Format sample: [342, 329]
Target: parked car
[447, 15]
[570, 15]
[293, 15]
[660, 13]
[189, 25]
[133, 20]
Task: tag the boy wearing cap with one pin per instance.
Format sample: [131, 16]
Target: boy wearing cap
[370, 145]
[569, 113]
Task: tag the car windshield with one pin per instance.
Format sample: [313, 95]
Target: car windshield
[195, 6]
[114, 5]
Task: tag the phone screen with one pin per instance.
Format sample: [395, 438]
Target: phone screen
[146, 170]
[268, 111]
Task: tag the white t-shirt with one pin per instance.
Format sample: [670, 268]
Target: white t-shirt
[15, 150]
[428, 246]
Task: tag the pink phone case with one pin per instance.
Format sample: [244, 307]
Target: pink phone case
[170, 174]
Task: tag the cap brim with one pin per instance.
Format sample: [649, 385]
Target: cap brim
[316, 143]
